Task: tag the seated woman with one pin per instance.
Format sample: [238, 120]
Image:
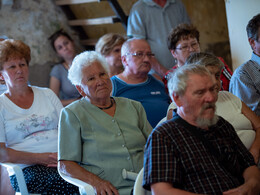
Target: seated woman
[64, 46]
[100, 135]
[230, 107]
[29, 118]
[109, 46]
[182, 42]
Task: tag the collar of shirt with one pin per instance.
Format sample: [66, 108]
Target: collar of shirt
[152, 3]
[255, 58]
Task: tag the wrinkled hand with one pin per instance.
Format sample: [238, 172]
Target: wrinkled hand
[104, 187]
[248, 188]
[255, 153]
[48, 159]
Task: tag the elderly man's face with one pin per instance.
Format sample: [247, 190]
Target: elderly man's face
[96, 84]
[198, 102]
[134, 61]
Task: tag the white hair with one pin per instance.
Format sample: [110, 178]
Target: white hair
[177, 82]
[81, 61]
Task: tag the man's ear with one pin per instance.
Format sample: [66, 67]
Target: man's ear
[124, 62]
[251, 42]
[1, 76]
[80, 90]
[177, 99]
[173, 53]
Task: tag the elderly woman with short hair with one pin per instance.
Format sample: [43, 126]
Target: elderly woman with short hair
[109, 46]
[100, 135]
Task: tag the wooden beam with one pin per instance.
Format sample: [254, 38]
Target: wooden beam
[94, 21]
[70, 2]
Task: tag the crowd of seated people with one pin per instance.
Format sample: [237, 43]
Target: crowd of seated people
[112, 104]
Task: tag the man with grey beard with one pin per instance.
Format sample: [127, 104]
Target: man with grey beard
[197, 152]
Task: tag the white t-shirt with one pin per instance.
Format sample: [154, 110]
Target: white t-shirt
[229, 107]
[34, 129]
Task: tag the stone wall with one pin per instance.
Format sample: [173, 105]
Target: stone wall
[33, 21]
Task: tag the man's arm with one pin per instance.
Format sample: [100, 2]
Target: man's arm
[251, 185]
[243, 87]
[163, 188]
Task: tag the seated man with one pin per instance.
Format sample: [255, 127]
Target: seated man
[197, 151]
[135, 82]
[245, 83]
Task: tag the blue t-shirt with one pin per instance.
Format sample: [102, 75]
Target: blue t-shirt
[67, 89]
[150, 93]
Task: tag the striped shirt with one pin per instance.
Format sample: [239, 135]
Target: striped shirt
[245, 83]
[174, 155]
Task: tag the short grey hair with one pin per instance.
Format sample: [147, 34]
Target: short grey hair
[81, 61]
[177, 82]
[126, 47]
[205, 59]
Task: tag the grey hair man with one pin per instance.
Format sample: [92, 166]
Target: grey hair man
[135, 82]
[197, 152]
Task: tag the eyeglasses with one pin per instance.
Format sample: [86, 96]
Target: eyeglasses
[187, 47]
[141, 54]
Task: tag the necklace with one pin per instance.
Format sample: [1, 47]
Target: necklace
[112, 103]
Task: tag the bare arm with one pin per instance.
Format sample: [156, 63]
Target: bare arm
[74, 170]
[14, 156]
[255, 120]
[55, 87]
[251, 185]
[160, 69]
[164, 188]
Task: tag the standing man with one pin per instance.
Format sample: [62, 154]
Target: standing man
[152, 20]
[197, 152]
[245, 82]
[135, 82]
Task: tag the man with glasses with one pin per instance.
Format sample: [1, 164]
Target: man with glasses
[135, 82]
[183, 41]
[245, 83]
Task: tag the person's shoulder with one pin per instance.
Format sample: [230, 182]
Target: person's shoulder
[243, 67]
[138, 5]
[44, 90]
[57, 66]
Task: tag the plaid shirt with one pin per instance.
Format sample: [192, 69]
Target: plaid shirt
[174, 155]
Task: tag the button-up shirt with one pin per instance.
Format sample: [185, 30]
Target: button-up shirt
[245, 83]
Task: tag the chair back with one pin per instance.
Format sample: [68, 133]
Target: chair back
[138, 188]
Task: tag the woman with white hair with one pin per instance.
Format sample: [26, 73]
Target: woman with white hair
[100, 135]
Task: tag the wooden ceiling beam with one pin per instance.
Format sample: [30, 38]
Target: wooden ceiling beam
[71, 2]
[94, 21]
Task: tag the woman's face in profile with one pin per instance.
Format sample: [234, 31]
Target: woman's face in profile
[114, 57]
[65, 47]
[96, 84]
[15, 72]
